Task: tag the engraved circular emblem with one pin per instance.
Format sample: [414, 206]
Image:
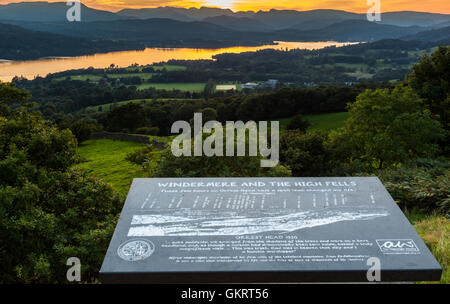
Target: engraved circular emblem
[135, 250]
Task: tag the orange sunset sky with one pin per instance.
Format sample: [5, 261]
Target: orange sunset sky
[435, 6]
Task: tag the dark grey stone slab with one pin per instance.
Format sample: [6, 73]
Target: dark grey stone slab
[197, 230]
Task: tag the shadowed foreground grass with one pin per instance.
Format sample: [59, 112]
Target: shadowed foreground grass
[435, 232]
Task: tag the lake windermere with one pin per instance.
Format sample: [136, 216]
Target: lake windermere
[45, 66]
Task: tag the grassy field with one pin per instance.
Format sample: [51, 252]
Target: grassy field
[435, 232]
[188, 86]
[169, 67]
[135, 71]
[106, 159]
[85, 77]
[324, 122]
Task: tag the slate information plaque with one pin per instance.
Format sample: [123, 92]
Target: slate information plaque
[219, 230]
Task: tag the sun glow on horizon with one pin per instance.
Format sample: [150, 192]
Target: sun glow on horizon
[357, 6]
[228, 4]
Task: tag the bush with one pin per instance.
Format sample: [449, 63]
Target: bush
[42, 144]
[140, 156]
[83, 130]
[304, 153]
[48, 212]
[421, 185]
[128, 117]
[298, 123]
[386, 128]
[215, 166]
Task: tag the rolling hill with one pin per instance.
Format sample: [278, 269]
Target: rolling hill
[273, 19]
[242, 24]
[50, 12]
[204, 27]
[441, 35]
[18, 43]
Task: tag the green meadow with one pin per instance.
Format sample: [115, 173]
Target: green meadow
[133, 72]
[188, 86]
[105, 158]
[324, 122]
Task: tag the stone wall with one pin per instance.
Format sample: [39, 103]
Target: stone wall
[143, 139]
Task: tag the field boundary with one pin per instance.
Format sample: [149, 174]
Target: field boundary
[143, 139]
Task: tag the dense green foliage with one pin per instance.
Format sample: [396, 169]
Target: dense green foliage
[140, 156]
[215, 166]
[305, 153]
[431, 79]
[48, 212]
[420, 185]
[386, 128]
[126, 118]
[298, 123]
[83, 130]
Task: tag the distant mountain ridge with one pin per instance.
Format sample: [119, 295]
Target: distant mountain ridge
[18, 43]
[50, 12]
[441, 34]
[205, 27]
[263, 20]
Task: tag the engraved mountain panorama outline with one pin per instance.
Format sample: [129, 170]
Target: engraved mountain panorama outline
[245, 214]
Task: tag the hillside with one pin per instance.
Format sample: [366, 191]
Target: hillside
[161, 30]
[50, 12]
[19, 43]
[367, 31]
[259, 21]
[243, 24]
[442, 35]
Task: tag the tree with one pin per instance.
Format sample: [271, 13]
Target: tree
[304, 153]
[48, 211]
[209, 114]
[215, 166]
[298, 123]
[83, 130]
[209, 88]
[385, 128]
[126, 118]
[430, 78]
[9, 94]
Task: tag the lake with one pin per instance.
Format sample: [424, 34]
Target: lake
[42, 67]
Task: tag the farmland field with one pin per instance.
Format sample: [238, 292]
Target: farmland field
[133, 72]
[188, 86]
[106, 159]
[225, 87]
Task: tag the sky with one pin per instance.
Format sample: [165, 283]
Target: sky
[360, 6]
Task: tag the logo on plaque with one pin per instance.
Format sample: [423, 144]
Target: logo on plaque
[135, 250]
[396, 246]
